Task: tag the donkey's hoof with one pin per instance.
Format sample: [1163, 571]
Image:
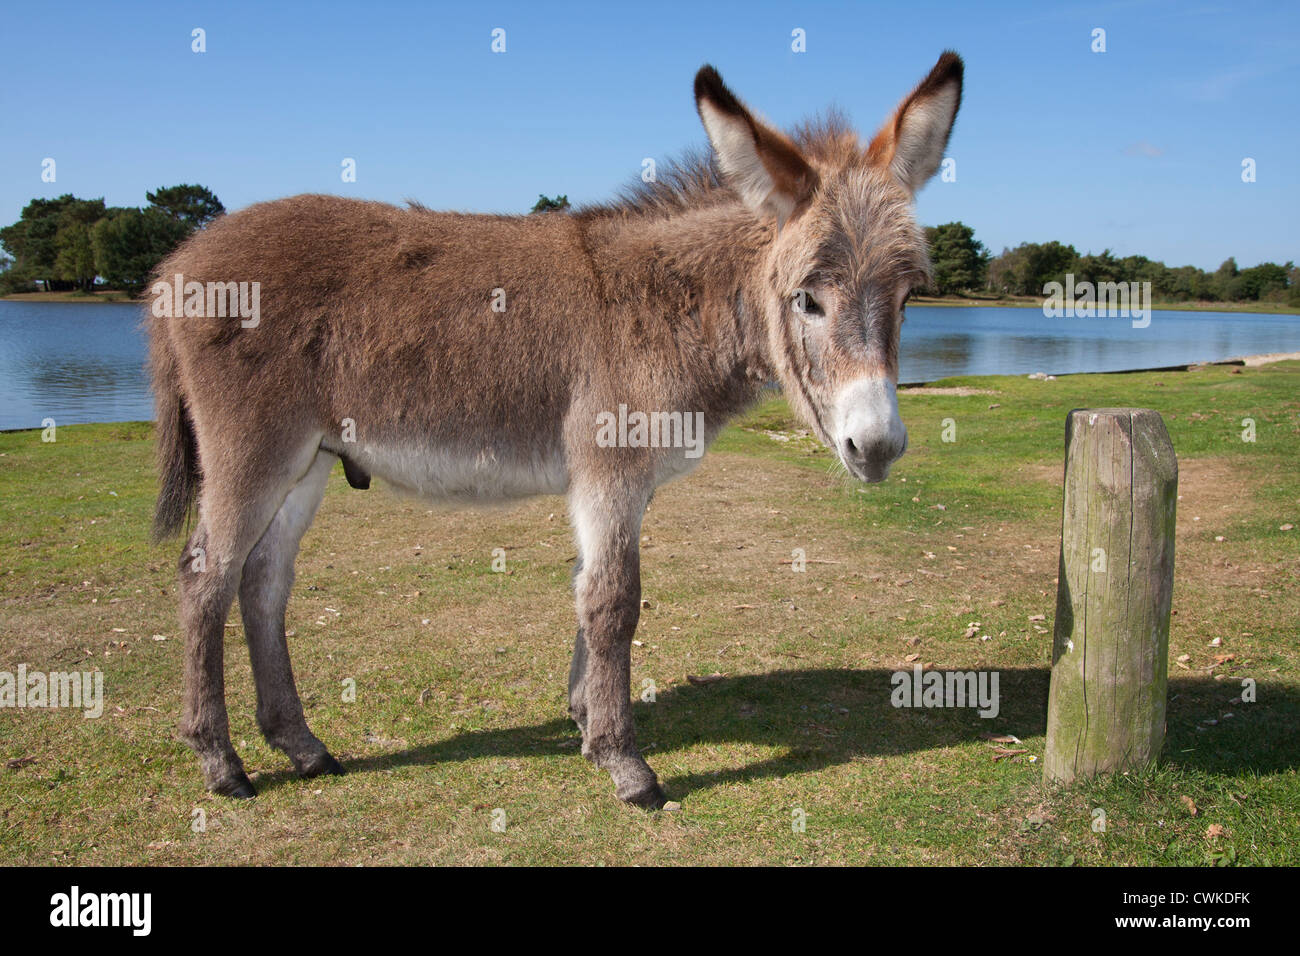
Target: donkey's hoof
[319, 766]
[237, 786]
[651, 797]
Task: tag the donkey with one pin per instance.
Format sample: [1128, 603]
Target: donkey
[473, 358]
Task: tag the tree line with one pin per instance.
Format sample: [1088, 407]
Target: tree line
[67, 243]
[963, 265]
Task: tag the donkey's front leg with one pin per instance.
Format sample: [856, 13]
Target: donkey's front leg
[609, 603]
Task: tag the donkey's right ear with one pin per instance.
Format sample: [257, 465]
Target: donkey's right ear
[760, 163]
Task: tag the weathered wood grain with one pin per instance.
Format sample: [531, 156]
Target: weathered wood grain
[1106, 706]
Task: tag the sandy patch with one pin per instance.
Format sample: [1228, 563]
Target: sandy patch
[1254, 361]
[955, 390]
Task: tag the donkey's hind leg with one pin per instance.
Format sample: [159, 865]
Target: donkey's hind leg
[263, 597]
[578, 682]
[236, 504]
[207, 587]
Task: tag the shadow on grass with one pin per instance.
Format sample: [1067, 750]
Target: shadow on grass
[823, 718]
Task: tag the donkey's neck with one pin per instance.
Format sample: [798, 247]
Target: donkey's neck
[696, 273]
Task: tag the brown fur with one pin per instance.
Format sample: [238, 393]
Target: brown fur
[674, 298]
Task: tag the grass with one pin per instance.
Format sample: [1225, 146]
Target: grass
[459, 672]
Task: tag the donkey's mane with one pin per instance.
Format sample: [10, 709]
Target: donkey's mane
[691, 179]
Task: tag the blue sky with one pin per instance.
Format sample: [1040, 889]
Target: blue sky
[1137, 149]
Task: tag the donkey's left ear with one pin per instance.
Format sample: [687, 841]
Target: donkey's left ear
[762, 165]
[912, 143]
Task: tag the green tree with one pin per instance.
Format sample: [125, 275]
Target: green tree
[1225, 285]
[545, 204]
[129, 244]
[1004, 271]
[193, 205]
[74, 259]
[959, 260]
[1268, 280]
[1025, 269]
[1049, 262]
[12, 280]
[1101, 268]
[32, 240]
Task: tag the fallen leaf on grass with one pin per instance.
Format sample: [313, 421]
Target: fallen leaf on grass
[1214, 831]
[19, 762]
[705, 679]
[1190, 804]
[1002, 738]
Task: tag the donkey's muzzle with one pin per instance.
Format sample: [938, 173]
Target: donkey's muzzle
[870, 434]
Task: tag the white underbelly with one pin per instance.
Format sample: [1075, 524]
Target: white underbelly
[464, 475]
[441, 474]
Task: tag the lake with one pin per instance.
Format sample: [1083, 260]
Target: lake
[84, 362]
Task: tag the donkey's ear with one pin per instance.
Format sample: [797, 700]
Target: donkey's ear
[760, 163]
[911, 144]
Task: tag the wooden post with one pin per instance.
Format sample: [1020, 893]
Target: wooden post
[1110, 655]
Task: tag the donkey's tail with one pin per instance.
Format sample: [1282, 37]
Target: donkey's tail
[178, 460]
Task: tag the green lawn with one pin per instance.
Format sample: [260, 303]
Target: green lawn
[460, 672]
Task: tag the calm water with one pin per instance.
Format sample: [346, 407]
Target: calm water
[79, 362]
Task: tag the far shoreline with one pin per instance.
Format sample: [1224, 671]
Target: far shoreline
[117, 297]
[1030, 302]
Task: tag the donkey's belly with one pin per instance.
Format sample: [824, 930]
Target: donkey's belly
[445, 474]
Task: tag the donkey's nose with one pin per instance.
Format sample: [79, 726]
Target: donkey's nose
[870, 433]
[871, 455]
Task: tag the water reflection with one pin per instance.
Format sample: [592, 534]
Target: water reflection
[73, 362]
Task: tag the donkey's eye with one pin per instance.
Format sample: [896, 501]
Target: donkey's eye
[805, 304]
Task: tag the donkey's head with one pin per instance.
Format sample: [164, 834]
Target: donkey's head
[845, 255]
